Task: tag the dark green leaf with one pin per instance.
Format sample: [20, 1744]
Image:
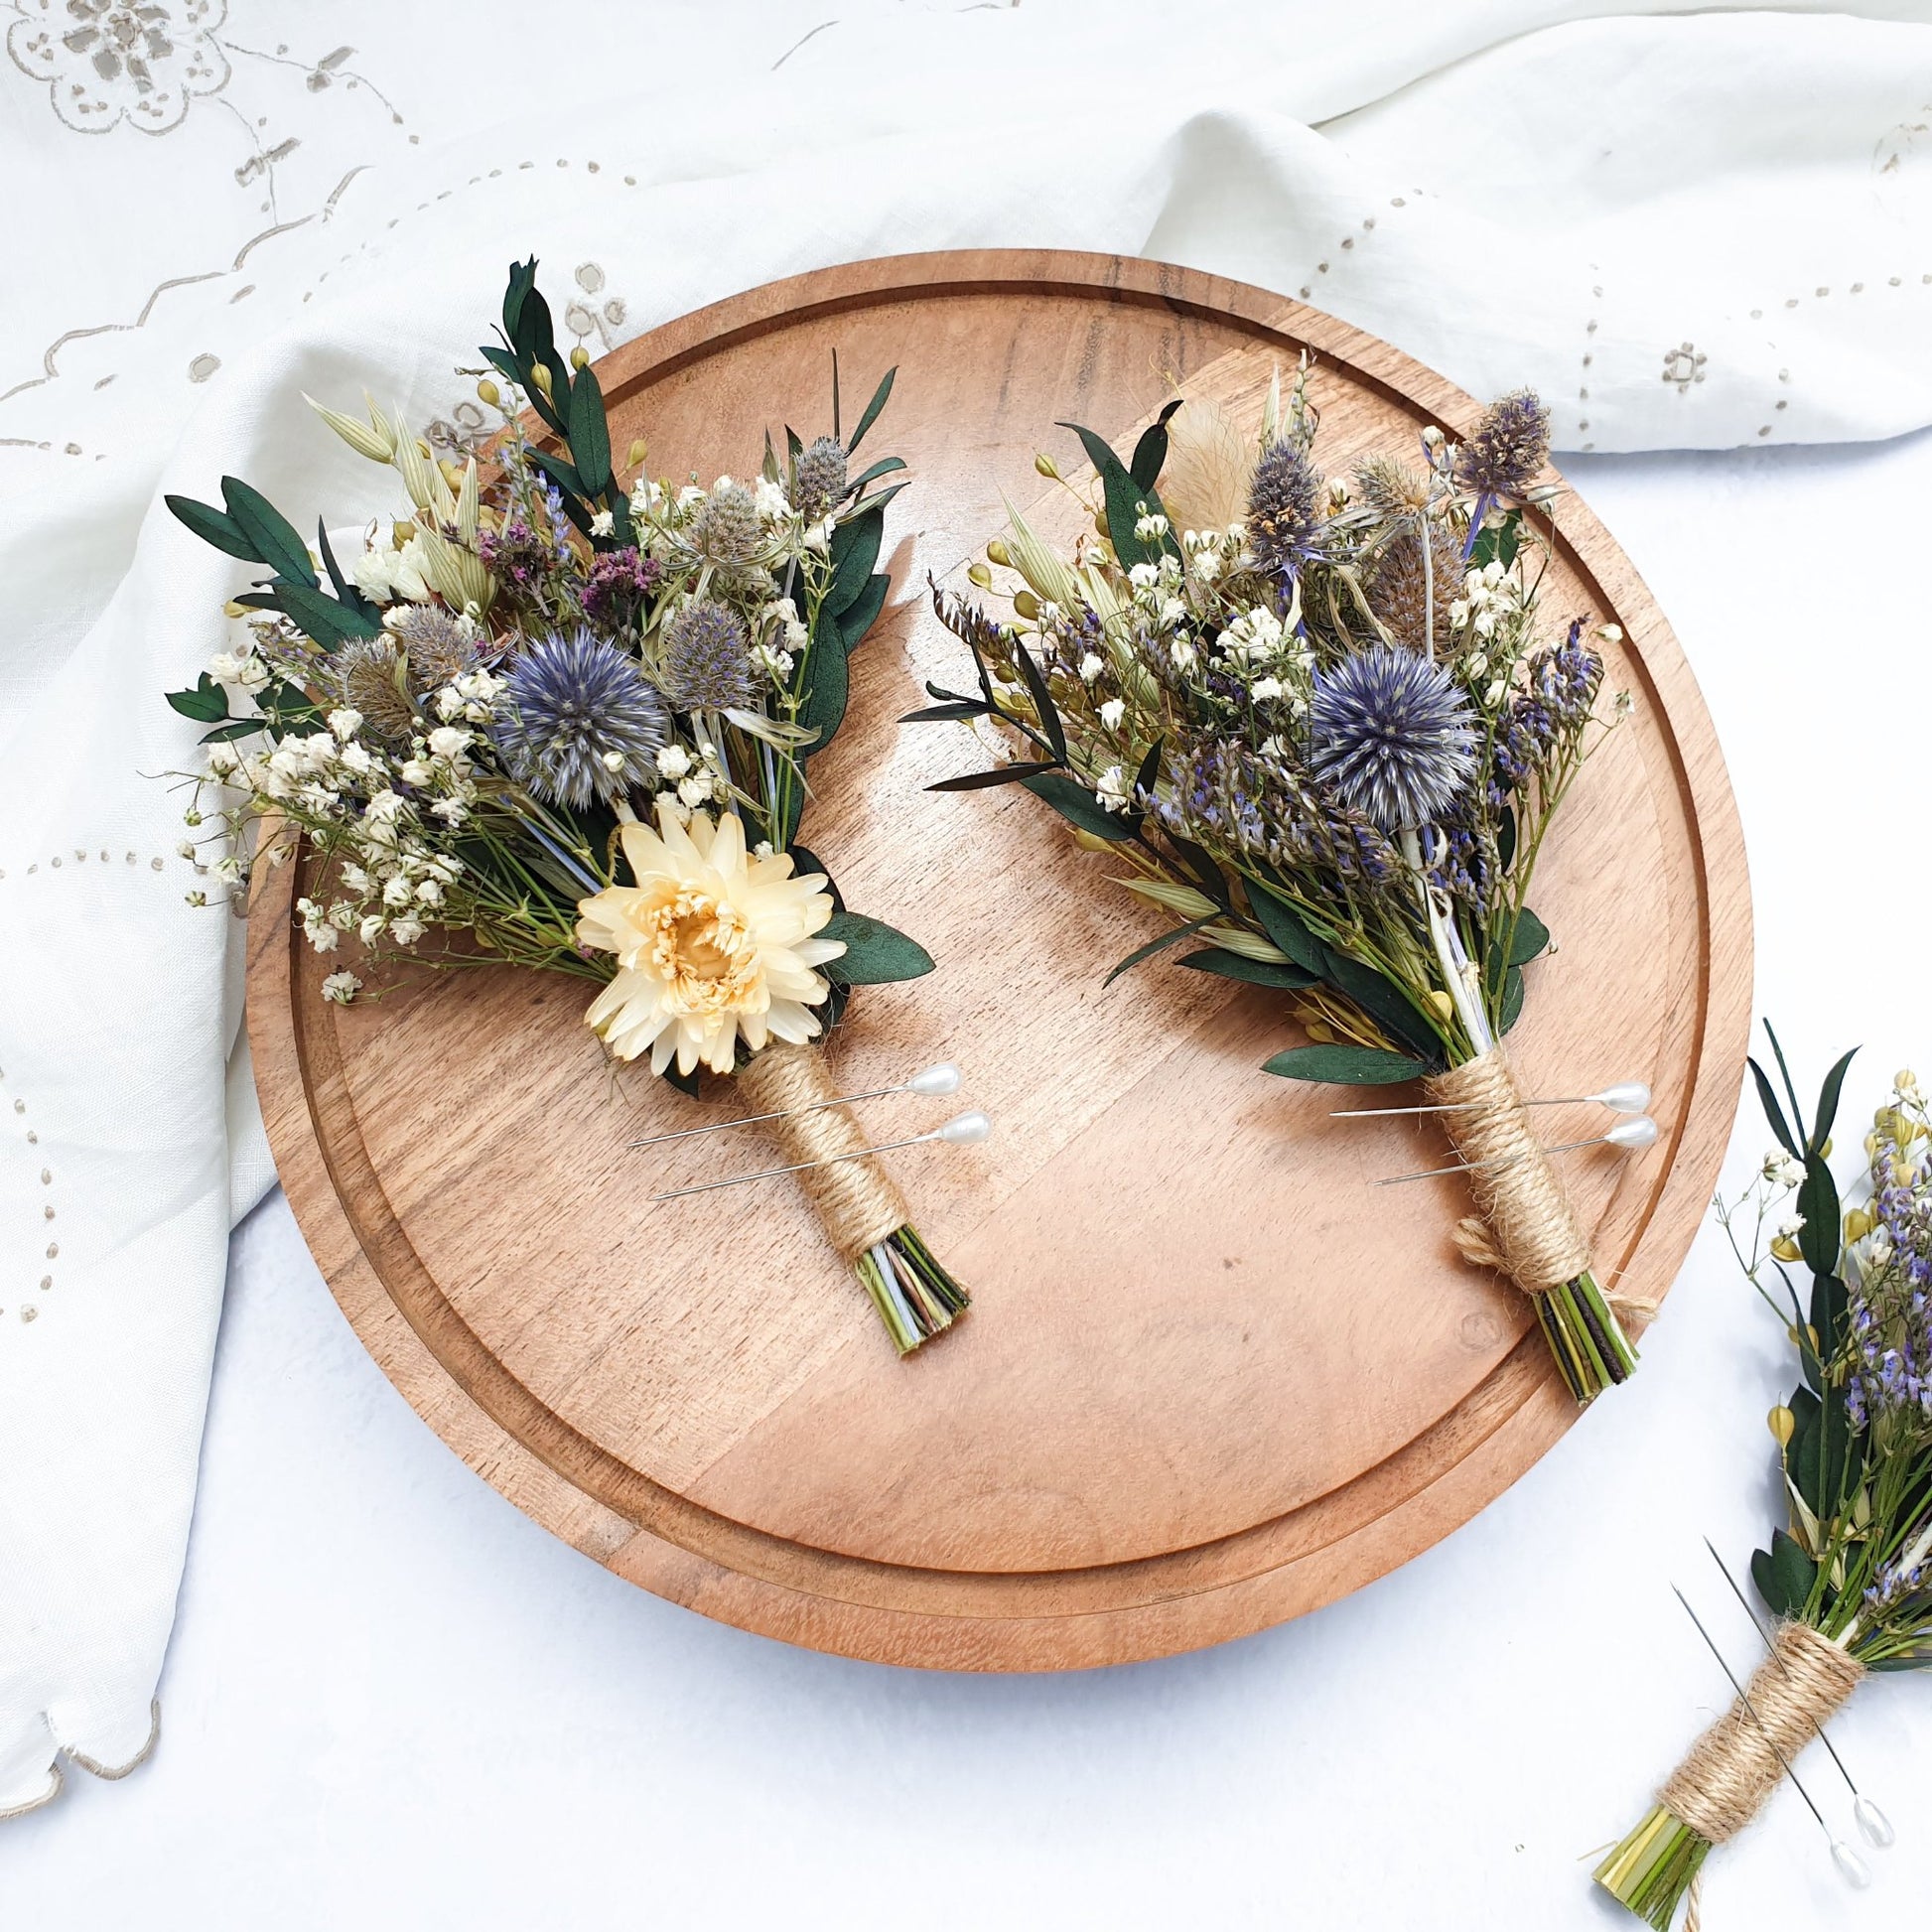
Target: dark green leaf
[1505, 836]
[1828, 1103]
[1159, 944]
[862, 612]
[828, 685]
[207, 703]
[686, 1084]
[1801, 1454]
[1773, 1113]
[1150, 771]
[1511, 1009]
[805, 860]
[1127, 501]
[215, 527]
[936, 714]
[329, 623]
[1384, 1003]
[228, 734]
[1286, 927]
[1817, 1201]
[1532, 936]
[590, 433]
[1345, 1066]
[875, 952]
[1151, 452]
[1830, 1308]
[1251, 972]
[1000, 775]
[562, 473]
[503, 362]
[853, 554]
[1765, 1582]
[1785, 1073]
[883, 467]
[1043, 706]
[1499, 543]
[1793, 1573]
[877, 402]
[345, 587]
[1075, 802]
[273, 536]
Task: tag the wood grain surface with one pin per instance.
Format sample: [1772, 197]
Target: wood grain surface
[1209, 1380]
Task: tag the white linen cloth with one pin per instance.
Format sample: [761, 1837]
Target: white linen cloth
[1702, 231]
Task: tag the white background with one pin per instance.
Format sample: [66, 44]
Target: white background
[392, 1701]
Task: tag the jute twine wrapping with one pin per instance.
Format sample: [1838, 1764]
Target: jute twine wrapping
[1731, 1770]
[856, 1204]
[1526, 1227]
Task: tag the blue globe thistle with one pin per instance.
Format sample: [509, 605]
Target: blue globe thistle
[1510, 445]
[578, 720]
[707, 659]
[1392, 737]
[821, 480]
[1285, 529]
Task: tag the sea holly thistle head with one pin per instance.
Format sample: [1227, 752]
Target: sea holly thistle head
[1285, 524]
[578, 721]
[707, 659]
[1392, 737]
[1510, 445]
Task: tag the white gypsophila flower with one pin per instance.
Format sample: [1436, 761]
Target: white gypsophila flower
[1264, 688]
[1150, 528]
[1144, 576]
[221, 760]
[1207, 565]
[695, 789]
[1791, 1227]
[340, 987]
[345, 723]
[449, 702]
[356, 757]
[1112, 712]
[407, 930]
[1458, 614]
[414, 773]
[673, 762]
[1493, 697]
[397, 890]
[646, 496]
[451, 811]
[778, 663]
[448, 741]
[355, 879]
[602, 523]
[797, 637]
[1112, 790]
[1091, 665]
[1492, 571]
[772, 503]
[429, 892]
[1184, 656]
[370, 930]
[227, 869]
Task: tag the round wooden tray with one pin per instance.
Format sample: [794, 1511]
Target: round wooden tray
[1209, 1380]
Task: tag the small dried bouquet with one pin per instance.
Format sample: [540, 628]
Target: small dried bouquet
[549, 718]
[1323, 725]
[1849, 1579]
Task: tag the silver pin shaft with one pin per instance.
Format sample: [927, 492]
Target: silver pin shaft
[753, 1120]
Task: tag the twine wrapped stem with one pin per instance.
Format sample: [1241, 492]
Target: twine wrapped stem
[864, 1215]
[1732, 1769]
[1527, 1229]
[856, 1202]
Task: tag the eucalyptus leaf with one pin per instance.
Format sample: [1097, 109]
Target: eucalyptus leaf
[854, 553]
[275, 538]
[877, 402]
[1151, 452]
[1532, 937]
[1159, 944]
[875, 952]
[590, 433]
[1075, 802]
[1251, 972]
[863, 613]
[1000, 775]
[1773, 1113]
[1345, 1066]
[1827, 1102]
[207, 703]
[215, 527]
[954, 708]
[1287, 928]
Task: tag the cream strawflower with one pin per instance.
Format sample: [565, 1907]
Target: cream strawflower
[712, 945]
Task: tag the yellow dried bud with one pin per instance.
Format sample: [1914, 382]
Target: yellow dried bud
[579, 357]
[1046, 467]
[1784, 1425]
[1858, 1224]
[998, 553]
[1100, 525]
[1825, 1152]
[638, 450]
[235, 611]
[1091, 841]
[540, 379]
[1442, 1002]
[489, 394]
[980, 575]
[1785, 1248]
[1026, 604]
[1319, 1032]
[452, 474]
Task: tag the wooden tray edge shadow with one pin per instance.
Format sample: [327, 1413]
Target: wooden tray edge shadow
[1182, 1599]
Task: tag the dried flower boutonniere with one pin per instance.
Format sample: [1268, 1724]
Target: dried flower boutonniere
[1322, 728]
[1849, 1579]
[550, 718]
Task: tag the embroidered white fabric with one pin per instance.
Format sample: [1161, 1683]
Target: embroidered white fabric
[1685, 232]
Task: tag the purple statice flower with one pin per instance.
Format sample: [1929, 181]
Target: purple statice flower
[1230, 796]
[577, 720]
[707, 659]
[1510, 445]
[1554, 703]
[518, 555]
[619, 580]
[1392, 737]
[1285, 527]
[1890, 1302]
